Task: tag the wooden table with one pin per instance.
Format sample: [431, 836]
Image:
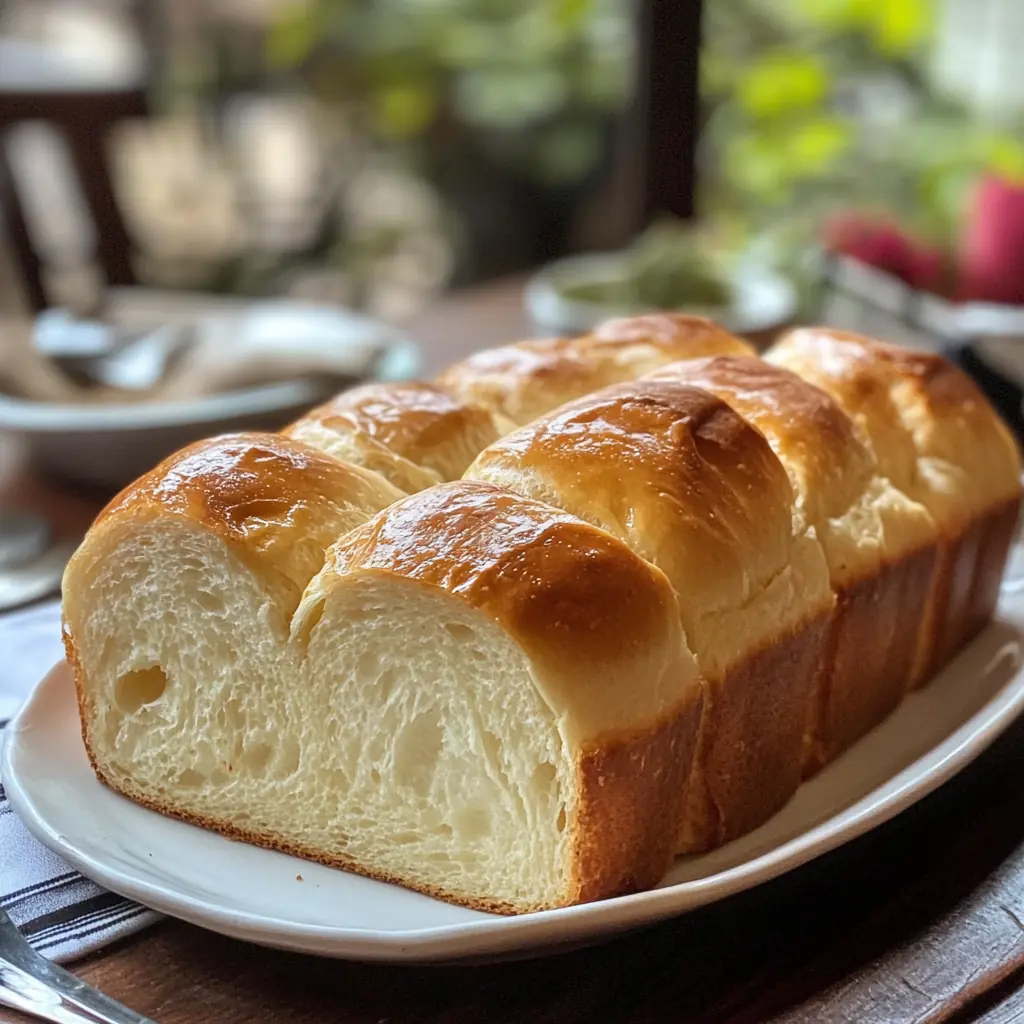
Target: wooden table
[920, 921]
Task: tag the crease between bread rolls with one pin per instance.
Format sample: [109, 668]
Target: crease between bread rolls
[690, 486]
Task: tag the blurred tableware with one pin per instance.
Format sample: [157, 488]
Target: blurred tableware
[759, 298]
[31, 565]
[246, 367]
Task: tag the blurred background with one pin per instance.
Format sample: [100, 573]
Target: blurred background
[378, 153]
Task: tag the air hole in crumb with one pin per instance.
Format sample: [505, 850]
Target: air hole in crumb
[544, 776]
[375, 777]
[416, 750]
[385, 684]
[472, 823]
[234, 715]
[256, 755]
[134, 690]
[561, 822]
[459, 631]
[191, 778]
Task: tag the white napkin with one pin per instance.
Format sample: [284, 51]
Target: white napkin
[61, 913]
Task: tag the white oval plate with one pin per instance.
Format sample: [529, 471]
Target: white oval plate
[280, 901]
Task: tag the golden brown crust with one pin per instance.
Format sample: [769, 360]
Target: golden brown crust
[530, 378]
[971, 563]
[748, 760]
[418, 421]
[674, 472]
[675, 335]
[913, 406]
[941, 443]
[871, 652]
[625, 826]
[831, 467]
[276, 502]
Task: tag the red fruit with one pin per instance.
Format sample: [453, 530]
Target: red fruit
[992, 247]
[874, 242]
[926, 268]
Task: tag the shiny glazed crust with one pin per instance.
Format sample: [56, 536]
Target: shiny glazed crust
[276, 502]
[676, 474]
[432, 434]
[530, 378]
[942, 444]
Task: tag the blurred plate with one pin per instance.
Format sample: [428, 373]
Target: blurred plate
[762, 299]
[108, 445]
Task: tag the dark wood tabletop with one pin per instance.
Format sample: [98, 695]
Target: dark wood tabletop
[920, 921]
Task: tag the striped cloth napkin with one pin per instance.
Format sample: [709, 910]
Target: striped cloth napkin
[61, 913]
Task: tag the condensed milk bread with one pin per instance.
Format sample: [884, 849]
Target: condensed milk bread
[516, 637]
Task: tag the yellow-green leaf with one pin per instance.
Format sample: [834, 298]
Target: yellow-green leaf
[1005, 155]
[815, 144]
[899, 27]
[782, 83]
[836, 15]
[403, 111]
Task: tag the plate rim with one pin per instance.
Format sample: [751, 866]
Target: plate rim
[495, 934]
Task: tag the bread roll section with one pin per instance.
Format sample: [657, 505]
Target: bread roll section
[517, 637]
[414, 434]
[940, 442]
[879, 545]
[177, 610]
[524, 666]
[684, 481]
[530, 378]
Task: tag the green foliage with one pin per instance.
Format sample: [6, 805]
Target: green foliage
[779, 145]
[534, 80]
[781, 83]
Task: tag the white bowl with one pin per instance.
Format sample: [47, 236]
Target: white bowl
[109, 446]
[762, 299]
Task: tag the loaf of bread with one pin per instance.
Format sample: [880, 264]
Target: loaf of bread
[516, 637]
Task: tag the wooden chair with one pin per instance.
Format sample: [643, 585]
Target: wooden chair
[36, 86]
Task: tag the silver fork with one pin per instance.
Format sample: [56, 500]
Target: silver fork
[33, 985]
